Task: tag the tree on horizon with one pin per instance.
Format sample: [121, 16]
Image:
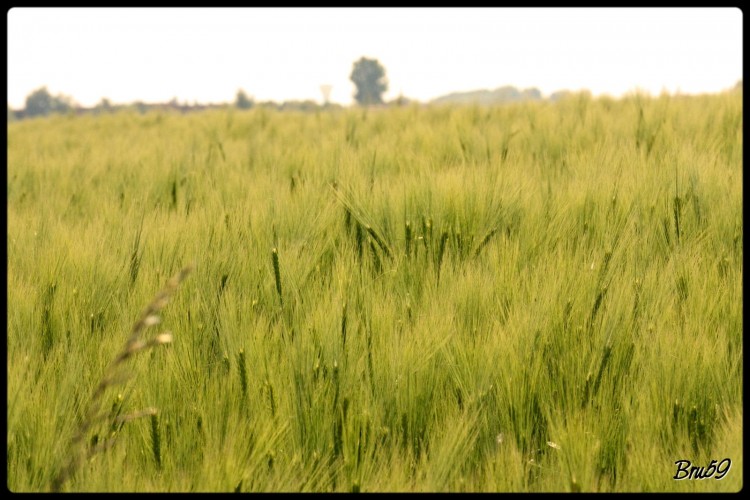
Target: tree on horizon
[369, 77]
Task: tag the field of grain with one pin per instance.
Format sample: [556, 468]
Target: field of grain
[529, 298]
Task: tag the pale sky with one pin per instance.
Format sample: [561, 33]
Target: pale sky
[206, 54]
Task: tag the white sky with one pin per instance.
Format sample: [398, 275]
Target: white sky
[207, 54]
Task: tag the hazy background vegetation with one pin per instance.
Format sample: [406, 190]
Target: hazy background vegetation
[368, 77]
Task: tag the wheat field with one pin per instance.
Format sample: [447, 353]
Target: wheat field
[536, 297]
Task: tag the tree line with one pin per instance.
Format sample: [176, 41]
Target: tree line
[368, 76]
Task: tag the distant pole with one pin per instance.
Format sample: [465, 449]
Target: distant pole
[326, 91]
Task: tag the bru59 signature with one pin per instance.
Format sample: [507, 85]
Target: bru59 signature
[687, 471]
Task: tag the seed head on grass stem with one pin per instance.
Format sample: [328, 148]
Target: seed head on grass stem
[113, 375]
[408, 237]
[277, 273]
[381, 243]
[484, 241]
[156, 439]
